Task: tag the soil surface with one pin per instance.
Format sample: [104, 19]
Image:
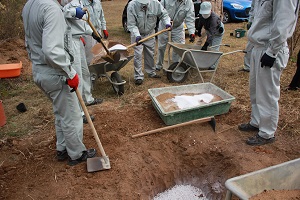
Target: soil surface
[140, 167]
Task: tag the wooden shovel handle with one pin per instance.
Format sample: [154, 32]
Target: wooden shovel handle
[149, 37]
[173, 126]
[87, 115]
[94, 29]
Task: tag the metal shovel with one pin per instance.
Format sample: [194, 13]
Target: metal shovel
[112, 57]
[96, 163]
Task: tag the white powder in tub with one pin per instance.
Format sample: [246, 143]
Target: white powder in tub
[185, 101]
[181, 192]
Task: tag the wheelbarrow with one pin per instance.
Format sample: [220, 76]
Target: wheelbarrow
[193, 57]
[102, 69]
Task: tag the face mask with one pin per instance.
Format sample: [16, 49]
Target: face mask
[205, 16]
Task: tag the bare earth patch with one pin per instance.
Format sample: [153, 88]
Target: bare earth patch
[145, 166]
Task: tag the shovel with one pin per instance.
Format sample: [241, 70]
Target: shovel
[96, 163]
[112, 57]
[120, 47]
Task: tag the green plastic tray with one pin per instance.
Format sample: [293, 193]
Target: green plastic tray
[185, 115]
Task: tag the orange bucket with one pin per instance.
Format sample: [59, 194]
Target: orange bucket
[2, 115]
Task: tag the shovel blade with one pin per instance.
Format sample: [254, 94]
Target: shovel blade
[113, 57]
[97, 164]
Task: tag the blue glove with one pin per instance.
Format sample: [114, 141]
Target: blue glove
[137, 39]
[267, 61]
[168, 26]
[79, 12]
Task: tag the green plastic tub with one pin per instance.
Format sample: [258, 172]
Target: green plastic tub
[189, 114]
[239, 33]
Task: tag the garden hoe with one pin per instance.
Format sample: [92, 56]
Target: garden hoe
[96, 163]
[112, 57]
[211, 121]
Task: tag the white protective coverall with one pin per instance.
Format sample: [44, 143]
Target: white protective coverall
[273, 24]
[249, 45]
[79, 28]
[45, 29]
[98, 20]
[142, 23]
[179, 12]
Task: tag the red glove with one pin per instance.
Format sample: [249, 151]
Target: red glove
[73, 83]
[83, 41]
[105, 32]
[192, 38]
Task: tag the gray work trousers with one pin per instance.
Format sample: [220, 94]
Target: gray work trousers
[89, 43]
[80, 66]
[147, 48]
[247, 57]
[68, 119]
[215, 46]
[265, 90]
[177, 36]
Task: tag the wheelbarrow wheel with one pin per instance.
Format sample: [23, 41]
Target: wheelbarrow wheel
[177, 77]
[116, 78]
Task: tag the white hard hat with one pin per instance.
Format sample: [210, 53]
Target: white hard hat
[205, 8]
[143, 1]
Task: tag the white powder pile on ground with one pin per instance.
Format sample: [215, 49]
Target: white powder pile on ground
[185, 101]
[181, 192]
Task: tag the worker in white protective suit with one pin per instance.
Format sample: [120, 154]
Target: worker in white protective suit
[73, 13]
[273, 24]
[98, 20]
[141, 20]
[47, 44]
[213, 26]
[249, 45]
[179, 11]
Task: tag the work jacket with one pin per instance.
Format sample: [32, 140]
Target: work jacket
[179, 12]
[140, 22]
[45, 28]
[273, 24]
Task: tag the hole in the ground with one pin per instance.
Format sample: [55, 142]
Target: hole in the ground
[207, 171]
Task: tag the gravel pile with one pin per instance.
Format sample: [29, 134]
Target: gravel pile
[181, 192]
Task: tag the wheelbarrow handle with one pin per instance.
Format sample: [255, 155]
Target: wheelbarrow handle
[149, 37]
[226, 45]
[94, 29]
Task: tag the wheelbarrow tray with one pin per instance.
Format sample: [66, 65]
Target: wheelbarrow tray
[197, 112]
[103, 67]
[193, 56]
[284, 176]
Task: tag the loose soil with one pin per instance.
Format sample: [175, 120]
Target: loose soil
[140, 167]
